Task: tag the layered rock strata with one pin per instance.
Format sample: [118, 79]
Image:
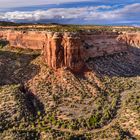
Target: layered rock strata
[131, 39]
[70, 49]
[23, 39]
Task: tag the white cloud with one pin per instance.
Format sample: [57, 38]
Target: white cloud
[94, 13]
[127, 12]
[67, 13]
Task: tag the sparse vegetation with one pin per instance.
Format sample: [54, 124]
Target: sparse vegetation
[36, 104]
[64, 28]
[3, 43]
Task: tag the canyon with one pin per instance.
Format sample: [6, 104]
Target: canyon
[71, 49]
[69, 85]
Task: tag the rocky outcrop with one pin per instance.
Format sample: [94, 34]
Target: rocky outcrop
[132, 39]
[53, 51]
[63, 50]
[23, 39]
[71, 49]
[102, 44]
[3, 35]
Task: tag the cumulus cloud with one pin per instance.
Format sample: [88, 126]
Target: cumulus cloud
[93, 14]
[67, 13]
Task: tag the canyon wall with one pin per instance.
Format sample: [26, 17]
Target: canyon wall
[24, 39]
[64, 50]
[102, 44]
[131, 39]
[71, 49]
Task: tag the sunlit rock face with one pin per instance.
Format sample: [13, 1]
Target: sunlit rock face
[23, 39]
[73, 51]
[63, 50]
[53, 51]
[69, 49]
[132, 39]
[102, 44]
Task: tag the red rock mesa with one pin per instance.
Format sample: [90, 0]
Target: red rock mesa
[69, 49]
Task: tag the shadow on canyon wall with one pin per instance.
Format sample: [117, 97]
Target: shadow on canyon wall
[124, 64]
[16, 68]
[3, 43]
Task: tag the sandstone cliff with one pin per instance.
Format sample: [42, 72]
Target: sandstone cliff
[63, 50]
[23, 39]
[71, 49]
[53, 51]
[132, 39]
[102, 44]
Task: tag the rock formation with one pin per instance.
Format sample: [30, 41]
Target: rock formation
[132, 39]
[53, 51]
[71, 49]
[63, 50]
[23, 39]
[102, 44]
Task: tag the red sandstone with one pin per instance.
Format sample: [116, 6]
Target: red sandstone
[71, 49]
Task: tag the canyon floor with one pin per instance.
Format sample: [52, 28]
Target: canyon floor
[101, 103]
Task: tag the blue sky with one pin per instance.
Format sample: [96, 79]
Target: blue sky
[117, 12]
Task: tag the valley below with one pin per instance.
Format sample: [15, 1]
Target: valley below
[45, 99]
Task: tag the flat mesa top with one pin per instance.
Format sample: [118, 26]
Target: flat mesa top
[64, 28]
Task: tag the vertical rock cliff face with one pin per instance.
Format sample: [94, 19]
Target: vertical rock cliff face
[53, 51]
[23, 39]
[71, 49]
[63, 50]
[3, 35]
[102, 44]
[132, 39]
